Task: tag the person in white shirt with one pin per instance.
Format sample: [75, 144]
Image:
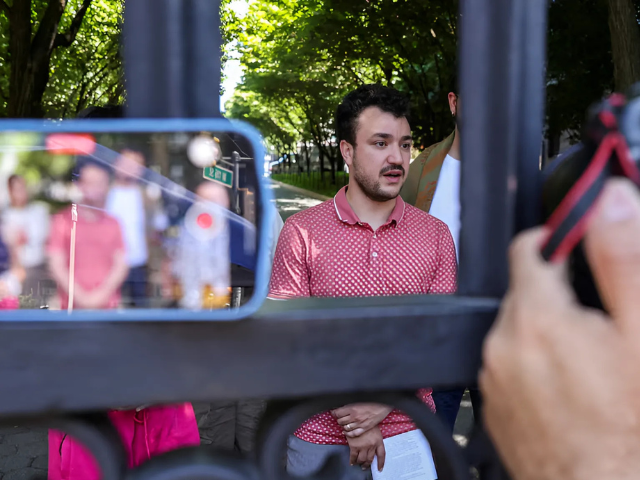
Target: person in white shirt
[433, 185]
[25, 225]
[127, 203]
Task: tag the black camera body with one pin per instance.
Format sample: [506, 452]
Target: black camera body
[574, 180]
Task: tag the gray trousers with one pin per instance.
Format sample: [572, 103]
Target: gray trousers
[229, 426]
[305, 459]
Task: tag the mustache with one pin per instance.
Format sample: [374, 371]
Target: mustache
[392, 168]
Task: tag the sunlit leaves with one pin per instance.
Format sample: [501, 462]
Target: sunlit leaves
[307, 54]
[89, 72]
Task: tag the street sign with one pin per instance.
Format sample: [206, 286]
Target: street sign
[219, 175]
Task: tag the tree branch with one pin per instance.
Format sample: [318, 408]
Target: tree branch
[5, 7]
[67, 38]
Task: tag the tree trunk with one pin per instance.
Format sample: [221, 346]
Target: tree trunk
[30, 59]
[625, 43]
[19, 51]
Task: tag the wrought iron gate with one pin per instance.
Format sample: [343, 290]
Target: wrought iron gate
[298, 353]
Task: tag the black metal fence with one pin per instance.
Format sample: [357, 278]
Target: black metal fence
[299, 352]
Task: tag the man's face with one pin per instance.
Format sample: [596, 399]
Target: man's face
[380, 159]
[129, 165]
[18, 192]
[213, 192]
[94, 185]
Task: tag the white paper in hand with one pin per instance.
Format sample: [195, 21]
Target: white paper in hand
[408, 458]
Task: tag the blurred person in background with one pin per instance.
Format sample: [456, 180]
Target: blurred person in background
[129, 204]
[25, 225]
[433, 186]
[200, 262]
[100, 263]
[11, 277]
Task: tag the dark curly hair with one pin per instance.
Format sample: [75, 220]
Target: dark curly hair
[386, 99]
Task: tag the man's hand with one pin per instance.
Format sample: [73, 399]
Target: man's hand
[560, 382]
[365, 447]
[359, 418]
[21, 238]
[93, 299]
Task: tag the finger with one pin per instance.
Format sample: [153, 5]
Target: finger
[341, 412]
[353, 456]
[541, 282]
[371, 453]
[612, 246]
[381, 453]
[362, 456]
[355, 433]
[344, 420]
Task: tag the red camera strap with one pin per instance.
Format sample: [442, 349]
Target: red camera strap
[568, 223]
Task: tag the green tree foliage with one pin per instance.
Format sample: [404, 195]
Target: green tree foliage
[59, 56]
[302, 56]
[580, 66]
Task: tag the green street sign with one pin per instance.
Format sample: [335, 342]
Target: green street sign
[219, 175]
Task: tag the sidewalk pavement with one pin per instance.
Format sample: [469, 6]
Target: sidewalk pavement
[23, 453]
[301, 191]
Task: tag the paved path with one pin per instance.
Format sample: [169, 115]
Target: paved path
[289, 202]
[23, 451]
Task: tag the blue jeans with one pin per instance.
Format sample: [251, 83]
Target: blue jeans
[305, 459]
[134, 288]
[448, 404]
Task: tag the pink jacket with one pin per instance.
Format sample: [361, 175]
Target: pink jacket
[144, 434]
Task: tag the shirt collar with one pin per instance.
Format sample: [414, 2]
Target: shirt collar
[347, 215]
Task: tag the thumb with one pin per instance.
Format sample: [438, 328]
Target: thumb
[612, 246]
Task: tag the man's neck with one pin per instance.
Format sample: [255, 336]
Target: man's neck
[454, 151]
[369, 211]
[124, 182]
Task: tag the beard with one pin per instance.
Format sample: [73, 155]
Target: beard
[371, 186]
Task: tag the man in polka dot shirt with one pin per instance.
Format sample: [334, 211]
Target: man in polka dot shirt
[365, 242]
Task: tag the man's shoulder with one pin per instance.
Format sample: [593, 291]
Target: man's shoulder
[429, 152]
[110, 221]
[417, 218]
[63, 215]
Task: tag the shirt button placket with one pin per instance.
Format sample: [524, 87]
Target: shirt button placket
[377, 268]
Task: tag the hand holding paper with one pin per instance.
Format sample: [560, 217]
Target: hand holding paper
[408, 456]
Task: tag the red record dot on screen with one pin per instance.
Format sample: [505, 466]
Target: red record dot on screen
[204, 220]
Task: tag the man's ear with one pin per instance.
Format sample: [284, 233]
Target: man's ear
[346, 149]
[453, 103]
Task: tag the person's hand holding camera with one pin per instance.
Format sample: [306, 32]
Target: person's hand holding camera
[561, 382]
